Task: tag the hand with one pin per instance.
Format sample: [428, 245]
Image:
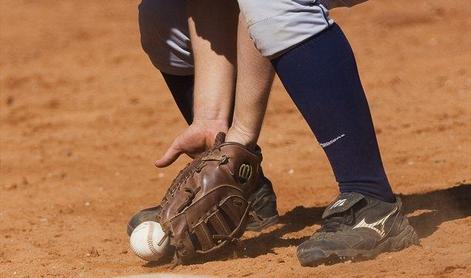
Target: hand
[197, 138]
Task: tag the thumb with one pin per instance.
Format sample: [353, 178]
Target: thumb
[169, 157]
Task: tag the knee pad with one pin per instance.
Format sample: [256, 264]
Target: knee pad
[165, 36]
[277, 25]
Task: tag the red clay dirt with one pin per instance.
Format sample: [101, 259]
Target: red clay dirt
[84, 114]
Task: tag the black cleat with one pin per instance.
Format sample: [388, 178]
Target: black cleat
[357, 227]
[262, 215]
[148, 214]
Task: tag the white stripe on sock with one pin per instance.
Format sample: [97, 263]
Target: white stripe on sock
[328, 143]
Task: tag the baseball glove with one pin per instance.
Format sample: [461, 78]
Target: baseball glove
[206, 207]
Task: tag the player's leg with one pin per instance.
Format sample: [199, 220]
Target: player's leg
[316, 65]
[333, 102]
[165, 38]
[327, 89]
[181, 87]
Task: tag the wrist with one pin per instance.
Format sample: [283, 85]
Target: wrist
[241, 135]
[211, 115]
[203, 119]
[216, 124]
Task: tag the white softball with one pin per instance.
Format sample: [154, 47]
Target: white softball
[148, 241]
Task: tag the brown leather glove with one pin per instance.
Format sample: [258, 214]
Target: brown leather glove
[206, 207]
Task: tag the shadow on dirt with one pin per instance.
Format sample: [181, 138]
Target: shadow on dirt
[431, 209]
[426, 212]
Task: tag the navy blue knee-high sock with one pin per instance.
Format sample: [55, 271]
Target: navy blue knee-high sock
[181, 88]
[322, 78]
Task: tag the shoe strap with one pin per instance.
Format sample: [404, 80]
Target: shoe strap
[344, 202]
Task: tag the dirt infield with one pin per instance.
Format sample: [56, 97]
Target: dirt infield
[83, 114]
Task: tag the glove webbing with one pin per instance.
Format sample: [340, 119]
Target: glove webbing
[218, 228]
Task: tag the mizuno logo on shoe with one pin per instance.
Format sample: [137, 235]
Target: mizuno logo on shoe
[338, 203]
[377, 226]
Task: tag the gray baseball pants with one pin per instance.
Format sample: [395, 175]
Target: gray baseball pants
[274, 25]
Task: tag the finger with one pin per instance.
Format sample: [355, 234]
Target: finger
[169, 157]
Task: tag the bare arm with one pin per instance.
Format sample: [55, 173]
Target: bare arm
[213, 27]
[254, 80]
[213, 33]
[214, 84]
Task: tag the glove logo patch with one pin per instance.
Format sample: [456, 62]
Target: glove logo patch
[245, 173]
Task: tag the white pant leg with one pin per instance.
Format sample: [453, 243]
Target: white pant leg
[277, 25]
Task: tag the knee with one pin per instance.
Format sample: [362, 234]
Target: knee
[164, 36]
[276, 26]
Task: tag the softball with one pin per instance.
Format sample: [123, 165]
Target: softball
[148, 241]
